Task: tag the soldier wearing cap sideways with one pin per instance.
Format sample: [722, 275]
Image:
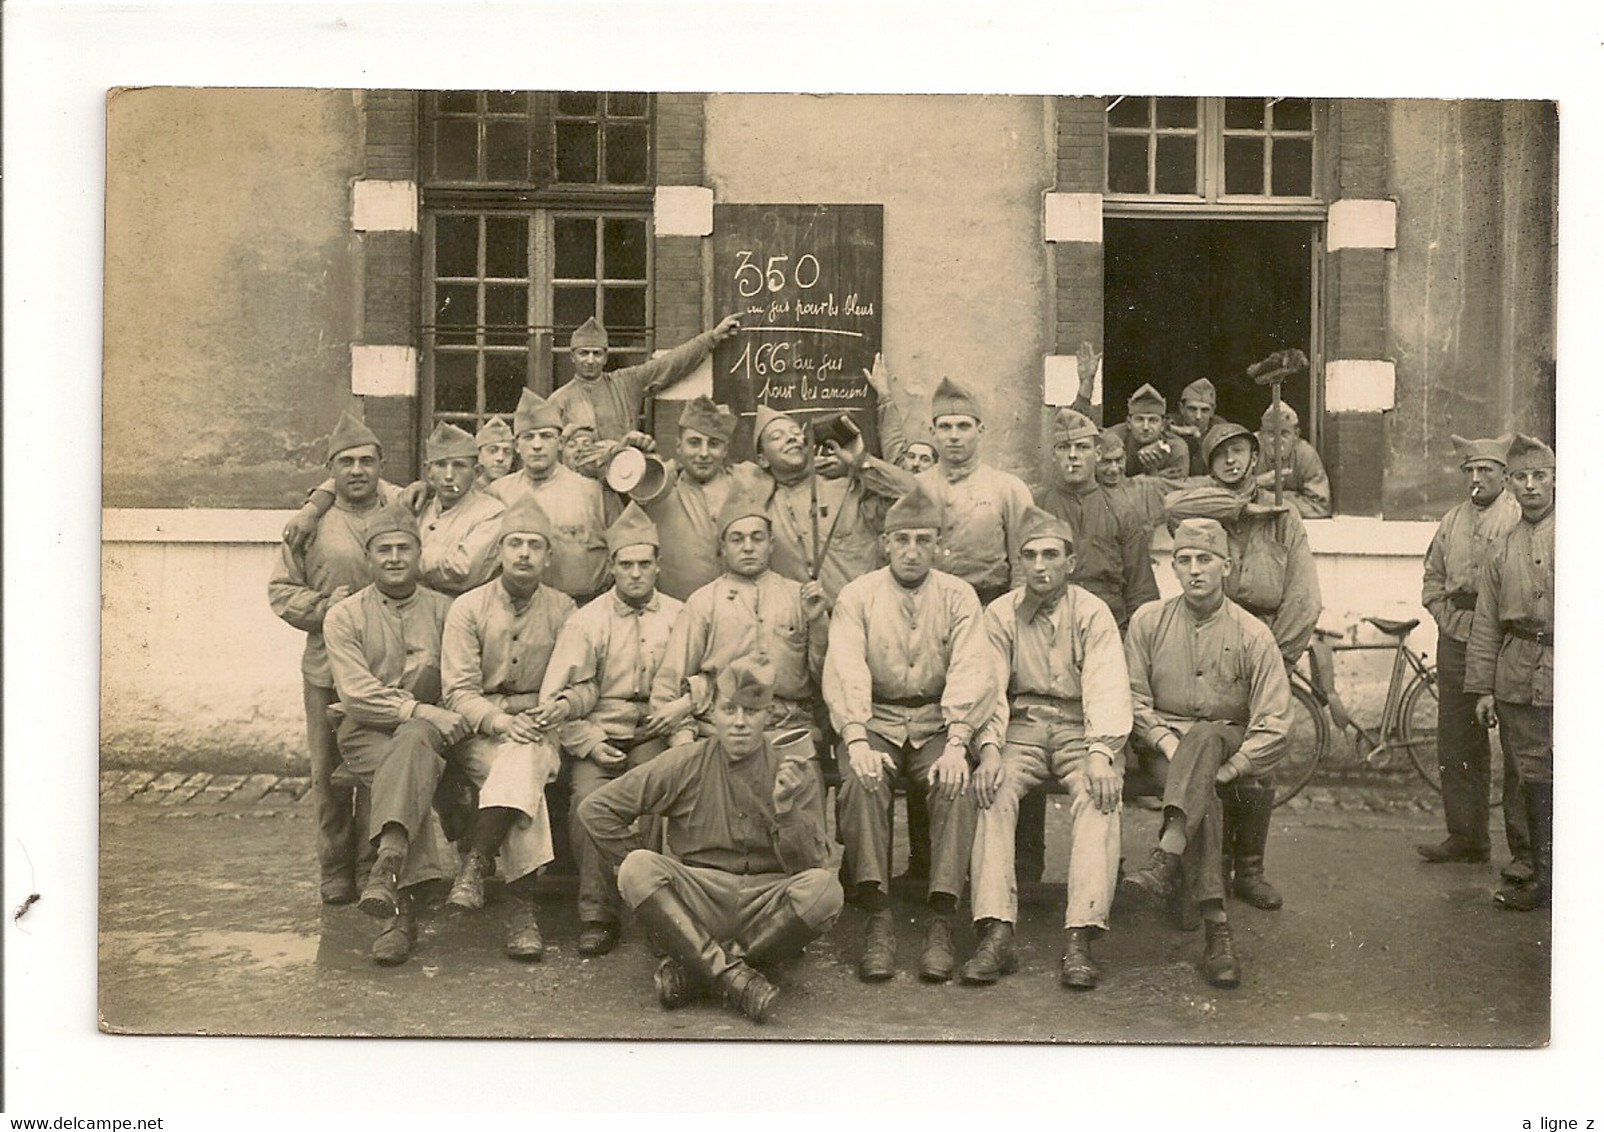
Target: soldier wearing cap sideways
[908, 683]
[574, 503]
[1150, 446]
[748, 610]
[615, 398]
[1272, 576]
[606, 658]
[384, 652]
[1111, 541]
[853, 489]
[1468, 534]
[980, 506]
[310, 579]
[1193, 418]
[696, 485]
[1211, 704]
[1509, 659]
[493, 443]
[745, 880]
[498, 642]
[1064, 715]
[459, 525]
[1303, 475]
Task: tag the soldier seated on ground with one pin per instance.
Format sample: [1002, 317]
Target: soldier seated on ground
[745, 880]
[1211, 704]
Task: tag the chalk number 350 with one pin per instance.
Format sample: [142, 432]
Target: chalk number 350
[750, 279]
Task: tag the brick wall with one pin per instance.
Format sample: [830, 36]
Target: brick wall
[1356, 306]
[1078, 267]
[390, 265]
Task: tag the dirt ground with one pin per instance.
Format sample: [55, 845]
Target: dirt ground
[210, 924]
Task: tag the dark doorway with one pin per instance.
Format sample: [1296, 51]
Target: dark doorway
[1185, 299]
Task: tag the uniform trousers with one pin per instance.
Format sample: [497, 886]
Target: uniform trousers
[733, 908]
[863, 816]
[1527, 732]
[513, 776]
[401, 766]
[1188, 781]
[1093, 835]
[598, 898]
[332, 808]
[1464, 759]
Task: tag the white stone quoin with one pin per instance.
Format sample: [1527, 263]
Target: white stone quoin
[384, 206]
[384, 371]
[1072, 218]
[1362, 224]
[1359, 386]
[682, 210]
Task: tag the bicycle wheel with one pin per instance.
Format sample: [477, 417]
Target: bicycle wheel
[1306, 745]
[1417, 726]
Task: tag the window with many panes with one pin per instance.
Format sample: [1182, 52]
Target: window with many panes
[536, 210]
[1211, 149]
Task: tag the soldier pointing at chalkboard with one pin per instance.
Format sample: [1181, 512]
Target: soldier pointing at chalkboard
[616, 398]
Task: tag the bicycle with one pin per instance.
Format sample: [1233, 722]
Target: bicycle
[1408, 717]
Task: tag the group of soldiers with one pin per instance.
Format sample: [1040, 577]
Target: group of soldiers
[687, 658]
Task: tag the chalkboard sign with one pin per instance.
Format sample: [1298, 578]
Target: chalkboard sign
[805, 280]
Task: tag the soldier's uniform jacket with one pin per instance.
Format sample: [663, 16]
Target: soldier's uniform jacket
[1111, 546]
[1303, 477]
[686, 514]
[460, 545]
[492, 649]
[1060, 664]
[377, 645]
[734, 616]
[720, 813]
[980, 521]
[605, 661]
[300, 587]
[578, 513]
[1223, 668]
[1272, 567]
[908, 664]
[615, 398]
[1176, 465]
[1464, 539]
[1510, 653]
[854, 506]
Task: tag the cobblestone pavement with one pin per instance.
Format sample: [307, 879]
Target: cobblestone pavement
[271, 792]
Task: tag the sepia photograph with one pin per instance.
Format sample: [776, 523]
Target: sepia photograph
[668, 557]
[770, 566]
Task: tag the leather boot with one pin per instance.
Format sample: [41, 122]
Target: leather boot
[938, 959]
[523, 933]
[1076, 970]
[994, 957]
[780, 937]
[879, 959]
[746, 990]
[1251, 810]
[395, 940]
[1540, 819]
[469, 889]
[1220, 967]
[698, 959]
[1158, 881]
[381, 896]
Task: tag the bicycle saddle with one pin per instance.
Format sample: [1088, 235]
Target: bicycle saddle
[1396, 628]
